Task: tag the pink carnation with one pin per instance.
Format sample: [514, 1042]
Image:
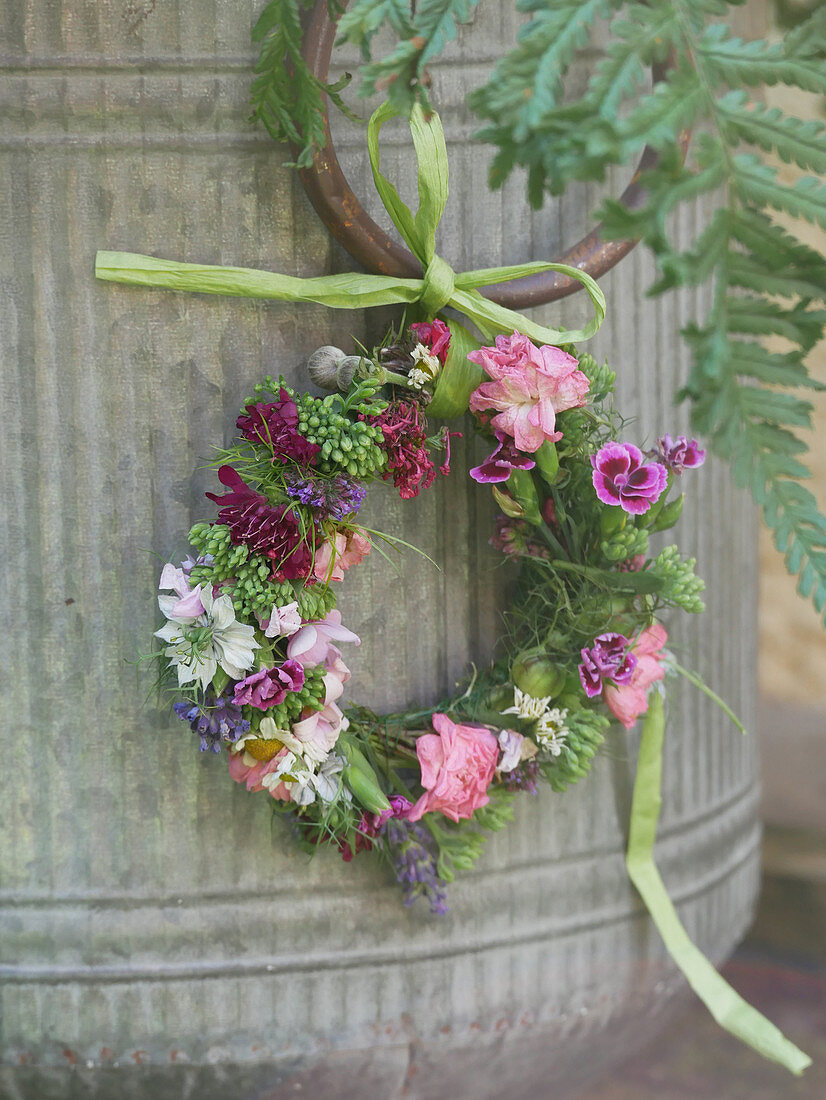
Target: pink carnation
[628, 701]
[530, 386]
[333, 557]
[457, 764]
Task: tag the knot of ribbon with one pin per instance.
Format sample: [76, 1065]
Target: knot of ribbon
[440, 286]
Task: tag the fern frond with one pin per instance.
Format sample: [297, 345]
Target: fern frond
[402, 74]
[285, 96]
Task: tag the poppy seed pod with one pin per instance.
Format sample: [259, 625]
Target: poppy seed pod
[322, 366]
[346, 371]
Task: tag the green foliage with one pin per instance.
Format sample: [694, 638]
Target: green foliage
[682, 587]
[285, 96]
[586, 732]
[422, 35]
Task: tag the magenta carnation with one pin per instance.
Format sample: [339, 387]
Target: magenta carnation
[269, 687]
[505, 458]
[435, 335]
[275, 426]
[530, 386]
[608, 659]
[680, 454]
[622, 476]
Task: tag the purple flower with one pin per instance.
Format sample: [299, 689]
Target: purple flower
[679, 454]
[275, 425]
[514, 536]
[269, 687]
[338, 497]
[621, 476]
[609, 658]
[399, 807]
[214, 719]
[505, 457]
[523, 778]
[412, 852]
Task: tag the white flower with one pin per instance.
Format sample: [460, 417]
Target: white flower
[198, 646]
[526, 706]
[327, 782]
[284, 621]
[510, 742]
[551, 730]
[426, 369]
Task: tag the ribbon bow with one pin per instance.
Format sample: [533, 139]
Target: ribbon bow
[440, 286]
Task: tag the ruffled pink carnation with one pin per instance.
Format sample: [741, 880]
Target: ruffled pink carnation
[457, 764]
[530, 386]
[628, 701]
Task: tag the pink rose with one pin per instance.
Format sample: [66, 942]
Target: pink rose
[628, 701]
[530, 386]
[333, 557]
[457, 764]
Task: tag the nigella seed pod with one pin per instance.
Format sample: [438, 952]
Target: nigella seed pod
[346, 371]
[322, 366]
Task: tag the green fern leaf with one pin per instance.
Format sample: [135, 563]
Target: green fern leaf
[801, 143]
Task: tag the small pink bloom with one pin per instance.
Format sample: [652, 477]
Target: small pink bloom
[530, 386]
[318, 731]
[284, 621]
[312, 644]
[628, 701]
[334, 557]
[457, 764]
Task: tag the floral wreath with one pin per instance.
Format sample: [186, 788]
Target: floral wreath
[252, 638]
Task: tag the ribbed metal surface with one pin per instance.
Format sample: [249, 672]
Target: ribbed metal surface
[150, 919]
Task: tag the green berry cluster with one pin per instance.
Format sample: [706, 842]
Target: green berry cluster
[311, 696]
[315, 601]
[348, 446]
[627, 543]
[682, 587]
[253, 591]
[586, 732]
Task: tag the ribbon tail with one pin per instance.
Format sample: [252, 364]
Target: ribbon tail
[345, 291]
[726, 1006]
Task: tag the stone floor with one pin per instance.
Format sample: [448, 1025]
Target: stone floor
[781, 969]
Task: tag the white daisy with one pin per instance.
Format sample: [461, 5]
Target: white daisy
[551, 730]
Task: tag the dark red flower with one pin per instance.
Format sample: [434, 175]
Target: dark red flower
[275, 426]
[405, 444]
[265, 528]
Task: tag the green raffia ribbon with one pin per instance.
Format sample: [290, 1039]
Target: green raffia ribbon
[440, 287]
[726, 1006]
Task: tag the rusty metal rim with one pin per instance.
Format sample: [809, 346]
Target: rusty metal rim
[351, 225]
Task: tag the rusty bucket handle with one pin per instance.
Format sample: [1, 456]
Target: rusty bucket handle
[351, 225]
